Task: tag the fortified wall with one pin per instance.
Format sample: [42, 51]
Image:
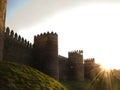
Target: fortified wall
[42, 55]
[76, 66]
[89, 68]
[16, 48]
[45, 52]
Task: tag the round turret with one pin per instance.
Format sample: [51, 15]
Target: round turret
[46, 53]
[2, 24]
[75, 65]
[89, 68]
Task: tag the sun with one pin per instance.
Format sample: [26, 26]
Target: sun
[107, 66]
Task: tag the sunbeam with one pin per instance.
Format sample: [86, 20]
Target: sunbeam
[105, 79]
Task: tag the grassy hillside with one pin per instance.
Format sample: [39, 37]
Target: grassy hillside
[21, 77]
[104, 80]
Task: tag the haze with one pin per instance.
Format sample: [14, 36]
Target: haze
[91, 26]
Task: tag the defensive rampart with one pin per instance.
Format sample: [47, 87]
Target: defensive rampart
[16, 48]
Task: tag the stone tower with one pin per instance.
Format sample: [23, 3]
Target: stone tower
[3, 4]
[89, 68]
[75, 65]
[46, 54]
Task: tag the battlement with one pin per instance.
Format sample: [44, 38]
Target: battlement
[42, 35]
[14, 36]
[76, 52]
[75, 65]
[43, 54]
[48, 33]
[89, 60]
[45, 50]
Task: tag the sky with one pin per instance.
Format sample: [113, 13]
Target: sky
[89, 25]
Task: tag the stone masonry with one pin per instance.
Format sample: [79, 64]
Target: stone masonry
[42, 54]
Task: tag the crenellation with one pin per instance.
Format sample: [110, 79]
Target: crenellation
[25, 42]
[43, 54]
[7, 31]
[55, 33]
[76, 52]
[43, 37]
[35, 37]
[38, 35]
[19, 38]
[16, 36]
[52, 32]
[12, 34]
[16, 48]
[48, 32]
[89, 65]
[22, 40]
[29, 44]
[46, 50]
[45, 34]
[46, 43]
[76, 65]
[89, 60]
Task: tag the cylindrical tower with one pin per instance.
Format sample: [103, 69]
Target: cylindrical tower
[89, 68]
[3, 4]
[75, 65]
[46, 54]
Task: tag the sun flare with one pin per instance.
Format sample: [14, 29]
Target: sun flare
[107, 67]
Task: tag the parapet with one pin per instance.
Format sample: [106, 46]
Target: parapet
[45, 36]
[76, 52]
[89, 61]
[14, 36]
[42, 35]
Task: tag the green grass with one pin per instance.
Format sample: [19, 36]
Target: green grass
[77, 85]
[101, 84]
[20, 77]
